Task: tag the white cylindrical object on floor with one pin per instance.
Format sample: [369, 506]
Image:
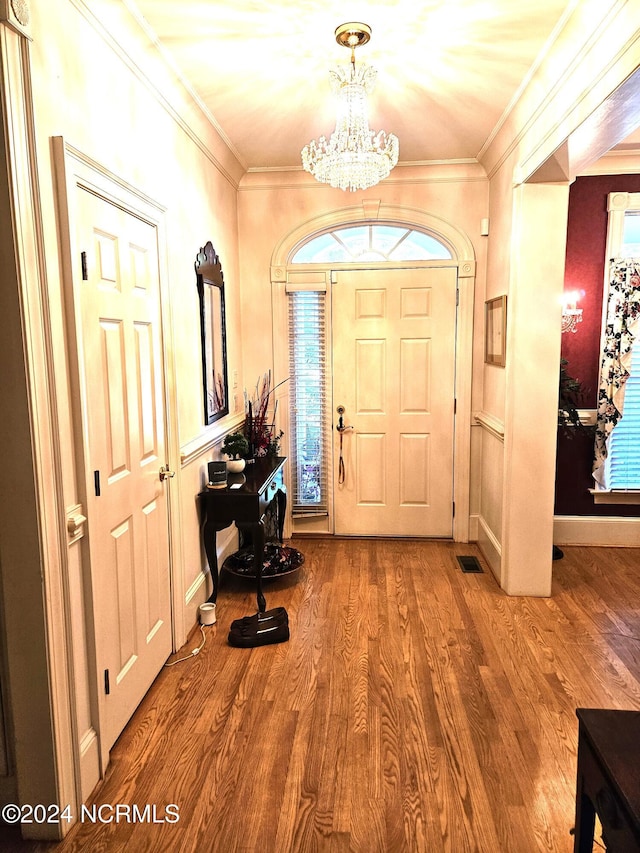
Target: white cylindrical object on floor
[207, 613]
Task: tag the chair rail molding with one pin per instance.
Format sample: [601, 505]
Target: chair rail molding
[491, 424]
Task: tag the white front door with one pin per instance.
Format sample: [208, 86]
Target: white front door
[124, 428]
[394, 373]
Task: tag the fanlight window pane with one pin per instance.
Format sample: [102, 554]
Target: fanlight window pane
[355, 240]
[318, 250]
[371, 243]
[389, 237]
[420, 247]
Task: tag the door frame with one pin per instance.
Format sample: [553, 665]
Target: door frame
[75, 171]
[318, 276]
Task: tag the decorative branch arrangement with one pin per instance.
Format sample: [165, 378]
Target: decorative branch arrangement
[260, 411]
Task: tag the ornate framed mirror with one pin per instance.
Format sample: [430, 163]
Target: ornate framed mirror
[210, 283]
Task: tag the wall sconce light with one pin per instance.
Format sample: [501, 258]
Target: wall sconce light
[571, 314]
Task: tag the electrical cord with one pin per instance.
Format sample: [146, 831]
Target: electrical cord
[193, 652]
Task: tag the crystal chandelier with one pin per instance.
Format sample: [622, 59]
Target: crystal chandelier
[355, 157]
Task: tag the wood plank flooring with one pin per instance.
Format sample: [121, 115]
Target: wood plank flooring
[415, 708]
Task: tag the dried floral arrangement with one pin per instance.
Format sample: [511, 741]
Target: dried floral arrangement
[260, 418]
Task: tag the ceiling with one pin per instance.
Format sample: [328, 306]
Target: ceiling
[447, 69]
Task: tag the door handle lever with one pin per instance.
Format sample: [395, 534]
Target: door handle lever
[341, 427]
[166, 473]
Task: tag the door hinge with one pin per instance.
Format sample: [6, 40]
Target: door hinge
[107, 688]
[454, 509]
[83, 259]
[457, 296]
[96, 482]
[455, 406]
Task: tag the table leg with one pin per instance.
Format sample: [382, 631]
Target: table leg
[281, 497]
[585, 822]
[211, 550]
[258, 559]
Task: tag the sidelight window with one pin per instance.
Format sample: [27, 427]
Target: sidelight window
[308, 379]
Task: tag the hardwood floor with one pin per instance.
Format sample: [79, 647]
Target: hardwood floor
[415, 708]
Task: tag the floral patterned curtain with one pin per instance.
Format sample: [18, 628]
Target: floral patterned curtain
[622, 325]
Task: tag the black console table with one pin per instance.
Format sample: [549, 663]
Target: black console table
[245, 500]
[608, 779]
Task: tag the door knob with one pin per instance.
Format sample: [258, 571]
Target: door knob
[341, 427]
[166, 473]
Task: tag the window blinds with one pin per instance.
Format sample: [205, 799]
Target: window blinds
[308, 381]
[622, 466]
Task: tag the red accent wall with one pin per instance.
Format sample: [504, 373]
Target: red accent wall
[584, 272]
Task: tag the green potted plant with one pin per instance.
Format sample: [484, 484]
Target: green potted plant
[571, 394]
[235, 446]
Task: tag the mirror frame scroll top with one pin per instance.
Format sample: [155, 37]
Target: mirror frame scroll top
[210, 282]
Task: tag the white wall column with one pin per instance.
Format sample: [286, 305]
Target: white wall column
[35, 670]
[531, 397]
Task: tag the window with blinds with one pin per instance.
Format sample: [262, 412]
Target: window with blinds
[308, 379]
[622, 466]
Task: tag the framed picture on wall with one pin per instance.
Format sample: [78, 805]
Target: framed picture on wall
[495, 330]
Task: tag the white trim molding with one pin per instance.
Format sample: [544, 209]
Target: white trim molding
[197, 447]
[491, 424]
[615, 496]
[17, 15]
[490, 547]
[596, 531]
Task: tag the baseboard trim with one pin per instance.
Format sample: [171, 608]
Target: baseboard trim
[473, 527]
[490, 548]
[603, 531]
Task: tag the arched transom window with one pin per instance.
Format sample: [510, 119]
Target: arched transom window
[370, 243]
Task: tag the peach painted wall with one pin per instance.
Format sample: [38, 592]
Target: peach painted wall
[274, 204]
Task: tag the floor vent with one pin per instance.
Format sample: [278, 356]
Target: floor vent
[469, 564]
